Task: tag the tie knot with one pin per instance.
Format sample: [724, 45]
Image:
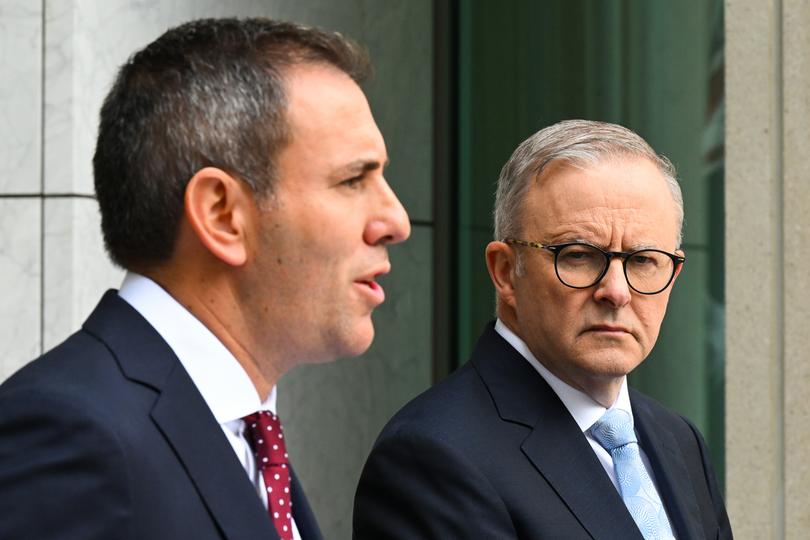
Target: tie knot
[266, 437]
[614, 430]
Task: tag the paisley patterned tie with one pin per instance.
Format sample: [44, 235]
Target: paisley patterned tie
[614, 432]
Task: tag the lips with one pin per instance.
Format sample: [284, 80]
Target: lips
[608, 329]
[373, 291]
[369, 287]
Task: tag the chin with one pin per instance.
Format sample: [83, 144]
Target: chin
[610, 363]
[357, 340]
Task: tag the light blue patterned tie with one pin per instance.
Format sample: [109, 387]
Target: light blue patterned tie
[614, 431]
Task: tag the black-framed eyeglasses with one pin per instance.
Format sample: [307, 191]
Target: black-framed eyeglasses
[579, 265]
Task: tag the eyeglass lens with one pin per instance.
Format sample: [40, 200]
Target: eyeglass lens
[581, 266]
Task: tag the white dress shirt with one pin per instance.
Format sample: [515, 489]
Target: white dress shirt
[217, 374]
[582, 407]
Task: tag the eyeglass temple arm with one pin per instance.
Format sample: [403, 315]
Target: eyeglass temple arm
[523, 243]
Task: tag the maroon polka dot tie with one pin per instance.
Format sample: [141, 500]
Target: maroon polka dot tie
[264, 433]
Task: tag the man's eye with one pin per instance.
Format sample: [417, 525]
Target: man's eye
[353, 183]
[648, 260]
[578, 255]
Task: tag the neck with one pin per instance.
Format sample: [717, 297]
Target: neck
[210, 302]
[604, 390]
[605, 393]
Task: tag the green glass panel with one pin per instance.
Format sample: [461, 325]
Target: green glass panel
[653, 66]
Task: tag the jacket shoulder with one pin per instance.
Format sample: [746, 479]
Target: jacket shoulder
[73, 362]
[444, 410]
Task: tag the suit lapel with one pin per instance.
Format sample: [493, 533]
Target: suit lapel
[184, 419]
[670, 471]
[571, 467]
[555, 445]
[188, 425]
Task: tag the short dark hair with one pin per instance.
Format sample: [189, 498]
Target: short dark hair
[207, 93]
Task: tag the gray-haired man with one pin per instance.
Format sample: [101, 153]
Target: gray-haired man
[538, 435]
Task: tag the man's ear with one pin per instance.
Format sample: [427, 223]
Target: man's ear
[218, 208]
[502, 266]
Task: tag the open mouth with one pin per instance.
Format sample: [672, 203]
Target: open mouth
[372, 290]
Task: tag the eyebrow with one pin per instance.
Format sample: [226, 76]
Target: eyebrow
[632, 248]
[362, 165]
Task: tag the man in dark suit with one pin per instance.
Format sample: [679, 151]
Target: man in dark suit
[538, 435]
[239, 174]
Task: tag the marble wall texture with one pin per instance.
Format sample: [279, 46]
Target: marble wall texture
[57, 61]
[767, 261]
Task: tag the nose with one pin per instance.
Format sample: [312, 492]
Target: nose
[613, 288]
[389, 223]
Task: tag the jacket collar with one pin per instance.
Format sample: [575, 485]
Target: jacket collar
[554, 443]
[181, 415]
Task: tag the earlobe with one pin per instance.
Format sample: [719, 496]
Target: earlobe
[501, 264]
[216, 207]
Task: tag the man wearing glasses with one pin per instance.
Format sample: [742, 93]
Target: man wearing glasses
[538, 435]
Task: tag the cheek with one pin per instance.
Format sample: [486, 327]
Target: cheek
[651, 315]
[572, 306]
[336, 240]
[532, 303]
[538, 288]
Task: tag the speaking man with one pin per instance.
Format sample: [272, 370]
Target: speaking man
[239, 174]
[538, 435]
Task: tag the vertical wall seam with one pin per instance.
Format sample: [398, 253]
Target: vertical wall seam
[779, 260]
[444, 166]
[623, 58]
[42, 149]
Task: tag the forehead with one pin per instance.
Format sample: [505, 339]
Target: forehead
[331, 129]
[623, 201]
[322, 99]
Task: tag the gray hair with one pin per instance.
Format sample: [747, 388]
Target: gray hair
[575, 142]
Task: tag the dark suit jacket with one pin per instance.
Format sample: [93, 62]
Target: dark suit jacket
[492, 453]
[106, 437]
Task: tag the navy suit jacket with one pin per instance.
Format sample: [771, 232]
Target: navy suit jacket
[107, 437]
[492, 453]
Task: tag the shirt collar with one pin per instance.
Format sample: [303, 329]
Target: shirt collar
[582, 407]
[217, 374]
